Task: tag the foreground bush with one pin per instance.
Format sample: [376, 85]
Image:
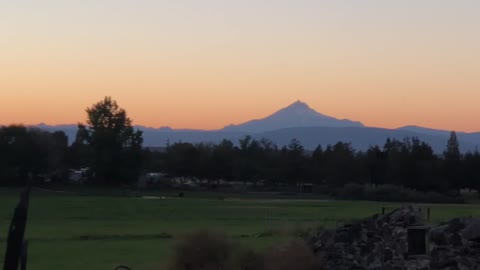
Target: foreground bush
[206, 250]
[293, 256]
[391, 193]
[247, 259]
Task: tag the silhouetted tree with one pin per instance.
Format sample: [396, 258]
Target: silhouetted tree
[223, 159]
[471, 170]
[316, 166]
[271, 169]
[246, 166]
[181, 160]
[423, 168]
[204, 167]
[453, 147]
[397, 155]
[452, 162]
[116, 146]
[376, 163]
[296, 163]
[340, 165]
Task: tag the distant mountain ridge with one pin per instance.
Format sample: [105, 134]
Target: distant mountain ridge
[301, 122]
[298, 114]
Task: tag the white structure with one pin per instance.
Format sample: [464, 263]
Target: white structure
[78, 176]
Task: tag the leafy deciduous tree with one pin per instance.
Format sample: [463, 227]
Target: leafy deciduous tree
[115, 145]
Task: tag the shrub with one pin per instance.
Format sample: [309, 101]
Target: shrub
[207, 250]
[352, 192]
[435, 197]
[389, 193]
[293, 256]
[204, 250]
[247, 259]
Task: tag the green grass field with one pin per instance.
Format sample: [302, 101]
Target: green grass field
[69, 231]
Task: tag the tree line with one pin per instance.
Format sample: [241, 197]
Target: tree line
[112, 149]
[410, 163]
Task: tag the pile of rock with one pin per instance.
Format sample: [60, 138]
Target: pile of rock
[456, 244]
[381, 242]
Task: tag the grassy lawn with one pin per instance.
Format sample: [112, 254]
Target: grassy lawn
[70, 231]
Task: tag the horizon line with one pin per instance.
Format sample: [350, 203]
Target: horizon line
[221, 129]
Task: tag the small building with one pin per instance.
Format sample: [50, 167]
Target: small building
[78, 176]
[153, 179]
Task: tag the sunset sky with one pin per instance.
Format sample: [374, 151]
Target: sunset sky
[209, 63]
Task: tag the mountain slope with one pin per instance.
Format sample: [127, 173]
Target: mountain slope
[298, 114]
[297, 121]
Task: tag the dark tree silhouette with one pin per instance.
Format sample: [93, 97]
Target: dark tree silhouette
[181, 160]
[453, 147]
[340, 164]
[471, 170]
[452, 164]
[223, 160]
[296, 163]
[376, 163]
[30, 154]
[116, 146]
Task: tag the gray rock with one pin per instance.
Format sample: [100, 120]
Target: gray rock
[380, 243]
[472, 230]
